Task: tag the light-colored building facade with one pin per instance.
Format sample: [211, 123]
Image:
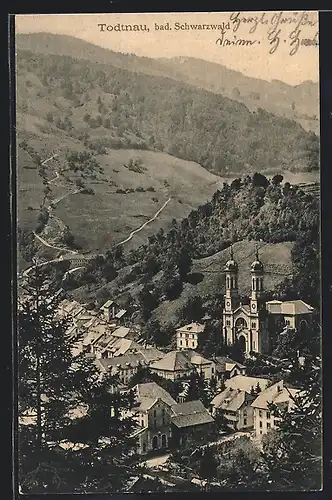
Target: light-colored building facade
[235, 406]
[127, 365]
[264, 419]
[153, 415]
[180, 364]
[187, 336]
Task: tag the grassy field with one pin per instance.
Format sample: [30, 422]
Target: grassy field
[107, 217]
[275, 257]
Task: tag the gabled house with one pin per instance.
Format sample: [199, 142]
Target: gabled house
[153, 415]
[187, 335]
[228, 368]
[127, 365]
[179, 364]
[248, 384]
[112, 311]
[278, 394]
[234, 406]
[189, 418]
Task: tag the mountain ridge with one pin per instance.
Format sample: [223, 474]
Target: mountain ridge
[299, 102]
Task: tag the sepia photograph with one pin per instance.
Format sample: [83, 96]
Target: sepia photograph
[168, 252]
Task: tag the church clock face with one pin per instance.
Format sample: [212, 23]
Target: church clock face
[253, 306]
[228, 303]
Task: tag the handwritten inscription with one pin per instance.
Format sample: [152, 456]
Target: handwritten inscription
[234, 41]
[297, 29]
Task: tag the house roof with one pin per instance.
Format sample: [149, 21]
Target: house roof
[184, 360]
[190, 413]
[199, 360]
[277, 394]
[130, 359]
[121, 313]
[245, 383]
[119, 347]
[192, 328]
[230, 399]
[291, 307]
[224, 363]
[173, 361]
[122, 331]
[107, 304]
[153, 391]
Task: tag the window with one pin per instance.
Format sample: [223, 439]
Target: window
[154, 413]
[212, 369]
[244, 421]
[287, 322]
[268, 415]
[228, 323]
[260, 413]
[261, 432]
[253, 325]
[144, 447]
[244, 412]
[260, 424]
[187, 343]
[180, 342]
[268, 425]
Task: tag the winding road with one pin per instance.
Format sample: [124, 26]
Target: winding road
[145, 224]
[74, 252]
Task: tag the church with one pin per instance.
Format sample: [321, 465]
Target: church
[255, 326]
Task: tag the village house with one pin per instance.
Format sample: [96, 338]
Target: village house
[153, 415]
[187, 336]
[278, 394]
[248, 384]
[164, 423]
[179, 364]
[228, 368]
[190, 418]
[127, 365]
[112, 347]
[291, 314]
[113, 312]
[234, 406]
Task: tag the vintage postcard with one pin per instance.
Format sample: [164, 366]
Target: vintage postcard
[168, 208]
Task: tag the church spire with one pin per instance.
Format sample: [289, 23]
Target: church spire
[232, 255]
[256, 253]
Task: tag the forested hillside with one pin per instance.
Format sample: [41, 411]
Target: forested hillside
[253, 209]
[123, 109]
[298, 102]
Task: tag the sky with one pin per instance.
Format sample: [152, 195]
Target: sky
[253, 60]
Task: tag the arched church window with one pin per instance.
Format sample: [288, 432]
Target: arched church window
[227, 281]
[261, 283]
[241, 323]
[253, 283]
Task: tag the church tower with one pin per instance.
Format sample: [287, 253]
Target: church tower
[231, 299]
[257, 283]
[259, 333]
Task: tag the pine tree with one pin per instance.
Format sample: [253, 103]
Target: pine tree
[293, 453]
[62, 399]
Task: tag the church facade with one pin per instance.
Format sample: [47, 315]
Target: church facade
[253, 326]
